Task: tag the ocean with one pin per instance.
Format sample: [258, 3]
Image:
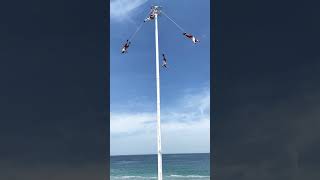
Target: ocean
[175, 167]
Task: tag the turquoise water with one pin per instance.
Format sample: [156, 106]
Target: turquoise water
[175, 167]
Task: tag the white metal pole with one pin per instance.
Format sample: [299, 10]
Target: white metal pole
[158, 101]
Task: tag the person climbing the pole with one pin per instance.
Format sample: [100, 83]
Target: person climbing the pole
[164, 61]
[190, 36]
[125, 47]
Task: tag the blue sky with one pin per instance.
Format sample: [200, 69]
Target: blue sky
[185, 91]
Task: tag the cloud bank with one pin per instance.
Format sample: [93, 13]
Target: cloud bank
[121, 9]
[185, 127]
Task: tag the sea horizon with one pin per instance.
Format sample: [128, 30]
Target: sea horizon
[156, 154]
[191, 166]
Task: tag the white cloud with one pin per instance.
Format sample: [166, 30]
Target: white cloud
[185, 128]
[121, 9]
[129, 123]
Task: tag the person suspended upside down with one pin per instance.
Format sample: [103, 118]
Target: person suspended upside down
[164, 61]
[125, 47]
[150, 17]
[190, 36]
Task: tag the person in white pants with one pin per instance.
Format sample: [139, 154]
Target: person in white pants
[164, 61]
[125, 47]
[190, 36]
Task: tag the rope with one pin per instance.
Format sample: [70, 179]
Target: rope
[173, 21]
[138, 28]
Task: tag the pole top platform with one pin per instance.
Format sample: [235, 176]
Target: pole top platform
[156, 9]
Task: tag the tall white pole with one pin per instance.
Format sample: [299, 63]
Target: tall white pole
[158, 101]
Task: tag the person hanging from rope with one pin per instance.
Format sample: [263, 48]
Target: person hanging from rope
[125, 47]
[164, 61]
[190, 36]
[151, 16]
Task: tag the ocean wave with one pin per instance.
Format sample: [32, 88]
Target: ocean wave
[126, 162]
[175, 176]
[132, 177]
[188, 176]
